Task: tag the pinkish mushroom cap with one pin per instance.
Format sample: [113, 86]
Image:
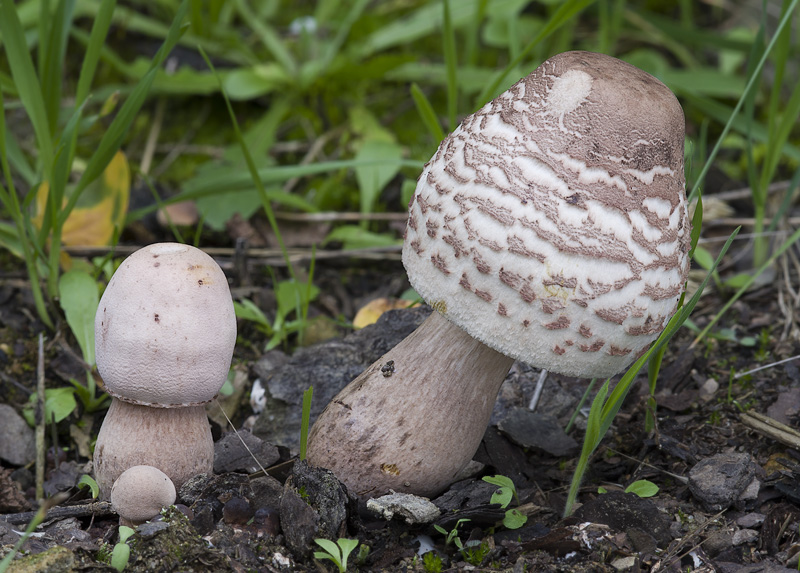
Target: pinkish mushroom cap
[165, 328]
[140, 493]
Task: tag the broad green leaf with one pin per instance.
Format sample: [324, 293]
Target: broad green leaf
[514, 519]
[58, 404]
[642, 488]
[355, 237]
[79, 298]
[703, 258]
[120, 556]
[373, 178]
[291, 296]
[88, 481]
[249, 83]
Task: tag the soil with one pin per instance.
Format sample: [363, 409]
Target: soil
[723, 454]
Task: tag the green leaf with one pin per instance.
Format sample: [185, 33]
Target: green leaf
[88, 481]
[703, 257]
[355, 237]
[120, 556]
[514, 519]
[79, 298]
[347, 546]
[125, 532]
[642, 488]
[373, 178]
[292, 296]
[249, 83]
[506, 490]
[248, 310]
[58, 403]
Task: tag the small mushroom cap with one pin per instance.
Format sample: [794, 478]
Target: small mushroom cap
[552, 224]
[140, 493]
[165, 327]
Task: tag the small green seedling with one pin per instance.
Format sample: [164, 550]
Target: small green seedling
[432, 562]
[337, 552]
[88, 481]
[505, 493]
[452, 535]
[642, 488]
[122, 551]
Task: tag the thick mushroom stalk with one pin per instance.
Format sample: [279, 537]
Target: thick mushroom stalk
[413, 419]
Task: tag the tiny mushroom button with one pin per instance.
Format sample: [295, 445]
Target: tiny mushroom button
[140, 493]
[550, 227]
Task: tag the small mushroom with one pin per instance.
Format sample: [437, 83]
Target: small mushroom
[550, 227]
[140, 493]
[165, 330]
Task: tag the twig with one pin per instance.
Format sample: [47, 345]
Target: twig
[771, 428]
[770, 365]
[95, 508]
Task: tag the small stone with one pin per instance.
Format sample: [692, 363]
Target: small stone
[237, 510]
[745, 536]
[412, 508]
[719, 481]
[17, 441]
[243, 452]
[708, 389]
[750, 520]
[624, 563]
[538, 431]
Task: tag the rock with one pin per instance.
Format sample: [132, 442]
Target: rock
[626, 511]
[749, 520]
[413, 509]
[235, 452]
[177, 547]
[17, 439]
[541, 432]
[720, 481]
[329, 367]
[314, 504]
[745, 536]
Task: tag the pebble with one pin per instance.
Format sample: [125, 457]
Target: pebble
[745, 536]
[541, 432]
[17, 440]
[412, 508]
[752, 519]
[722, 480]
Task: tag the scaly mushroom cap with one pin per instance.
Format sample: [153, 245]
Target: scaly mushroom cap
[552, 224]
[165, 327]
[141, 492]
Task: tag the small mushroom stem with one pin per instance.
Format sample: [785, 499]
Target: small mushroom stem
[414, 418]
[177, 441]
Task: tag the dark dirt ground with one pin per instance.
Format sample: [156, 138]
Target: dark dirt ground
[725, 455]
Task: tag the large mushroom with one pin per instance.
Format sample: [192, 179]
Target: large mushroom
[550, 227]
[165, 330]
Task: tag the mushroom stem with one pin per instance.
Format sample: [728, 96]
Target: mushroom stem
[414, 418]
[177, 441]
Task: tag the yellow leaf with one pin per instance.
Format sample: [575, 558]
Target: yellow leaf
[371, 312]
[101, 208]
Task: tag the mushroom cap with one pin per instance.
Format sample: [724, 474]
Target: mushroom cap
[165, 327]
[552, 224]
[140, 493]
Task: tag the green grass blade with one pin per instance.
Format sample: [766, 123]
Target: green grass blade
[254, 175]
[28, 86]
[750, 83]
[566, 11]
[113, 137]
[54, 46]
[269, 38]
[426, 112]
[451, 63]
[746, 285]
[100, 27]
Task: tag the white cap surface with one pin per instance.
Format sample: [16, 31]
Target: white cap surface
[552, 224]
[165, 327]
[140, 493]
